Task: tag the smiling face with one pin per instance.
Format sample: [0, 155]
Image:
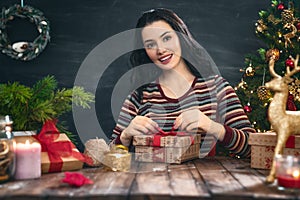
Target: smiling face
[162, 45]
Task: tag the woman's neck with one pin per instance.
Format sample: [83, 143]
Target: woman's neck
[176, 82]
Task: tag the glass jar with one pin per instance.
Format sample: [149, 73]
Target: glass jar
[288, 172]
[7, 144]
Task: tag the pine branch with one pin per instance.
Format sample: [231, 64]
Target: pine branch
[82, 98]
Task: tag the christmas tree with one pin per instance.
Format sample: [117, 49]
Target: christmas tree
[279, 29]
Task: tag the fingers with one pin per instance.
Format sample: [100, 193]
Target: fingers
[192, 121]
[141, 125]
[178, 122]
[187, 120]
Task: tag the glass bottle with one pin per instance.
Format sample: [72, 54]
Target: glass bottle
[7, 145]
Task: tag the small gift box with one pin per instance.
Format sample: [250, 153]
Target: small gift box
[174, 147]
[69, 161]
[117, 158]
[61, 162]
[58, 152]
[263, 145]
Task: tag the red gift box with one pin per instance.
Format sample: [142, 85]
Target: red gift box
[263, 145]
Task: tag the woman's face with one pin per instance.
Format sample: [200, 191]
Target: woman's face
[162, 45]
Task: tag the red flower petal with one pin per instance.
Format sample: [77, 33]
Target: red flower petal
[76, 179]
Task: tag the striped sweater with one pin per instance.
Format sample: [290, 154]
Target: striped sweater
[213, 96]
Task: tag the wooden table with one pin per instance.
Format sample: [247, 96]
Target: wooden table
[208, 178]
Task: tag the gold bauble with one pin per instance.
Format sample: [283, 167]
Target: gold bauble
[250, 71]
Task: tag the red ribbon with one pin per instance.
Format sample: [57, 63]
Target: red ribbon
[57, 149]
[290, 103]
[157, 136]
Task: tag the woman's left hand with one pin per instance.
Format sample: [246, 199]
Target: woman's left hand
[196, 121]
[192, 120]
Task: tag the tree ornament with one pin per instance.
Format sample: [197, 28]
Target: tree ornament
[280, 6]
[288, 36]
[289, 63]
[272, 53]
[294, 89]
[250, 70]
[247, 108]
[273, 19]
[263, 93]
[298, 26]
[242, 85]
[260, 26]
[24, 50]
[287, 16]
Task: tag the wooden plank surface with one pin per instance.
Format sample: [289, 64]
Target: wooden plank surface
[209, 178]
[253, 181]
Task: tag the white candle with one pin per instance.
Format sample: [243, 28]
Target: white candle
[28, 160]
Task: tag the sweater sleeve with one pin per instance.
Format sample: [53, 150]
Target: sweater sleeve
[128, 111]
[232, 116]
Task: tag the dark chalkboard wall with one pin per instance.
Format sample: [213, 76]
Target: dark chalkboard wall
[225, 28]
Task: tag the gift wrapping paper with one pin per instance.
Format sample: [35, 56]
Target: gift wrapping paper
[167, 141]
[166, 154]
[263, 145]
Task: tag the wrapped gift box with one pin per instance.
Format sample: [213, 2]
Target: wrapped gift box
[168, 149]
[67, 163]
[166, 141]
[263, 145]
[166, 154]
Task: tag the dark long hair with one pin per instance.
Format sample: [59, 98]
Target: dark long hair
[193, 53]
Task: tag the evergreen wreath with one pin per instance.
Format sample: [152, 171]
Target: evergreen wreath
[28, 50]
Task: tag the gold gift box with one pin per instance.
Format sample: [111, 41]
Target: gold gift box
[117, 159]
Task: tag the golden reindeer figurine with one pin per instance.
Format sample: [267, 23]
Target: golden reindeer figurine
[284, 123]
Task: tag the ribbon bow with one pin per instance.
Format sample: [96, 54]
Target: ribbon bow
[157, 136]
[57, 149]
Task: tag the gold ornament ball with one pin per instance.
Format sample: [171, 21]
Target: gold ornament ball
[250, 71]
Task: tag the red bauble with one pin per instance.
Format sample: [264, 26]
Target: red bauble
[298, 26]
[280, 6]
[247, 109]
[289, 63]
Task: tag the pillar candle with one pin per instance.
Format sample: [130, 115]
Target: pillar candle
[28, 160]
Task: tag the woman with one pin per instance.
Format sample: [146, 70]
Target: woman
[187, 95]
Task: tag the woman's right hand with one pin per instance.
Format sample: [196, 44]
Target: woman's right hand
[138, 126]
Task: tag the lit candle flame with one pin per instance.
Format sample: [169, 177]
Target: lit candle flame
[27, 143]
[296, 173]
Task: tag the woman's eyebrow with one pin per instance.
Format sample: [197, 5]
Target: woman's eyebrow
[162, 35]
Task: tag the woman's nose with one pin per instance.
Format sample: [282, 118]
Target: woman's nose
[161, 49]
